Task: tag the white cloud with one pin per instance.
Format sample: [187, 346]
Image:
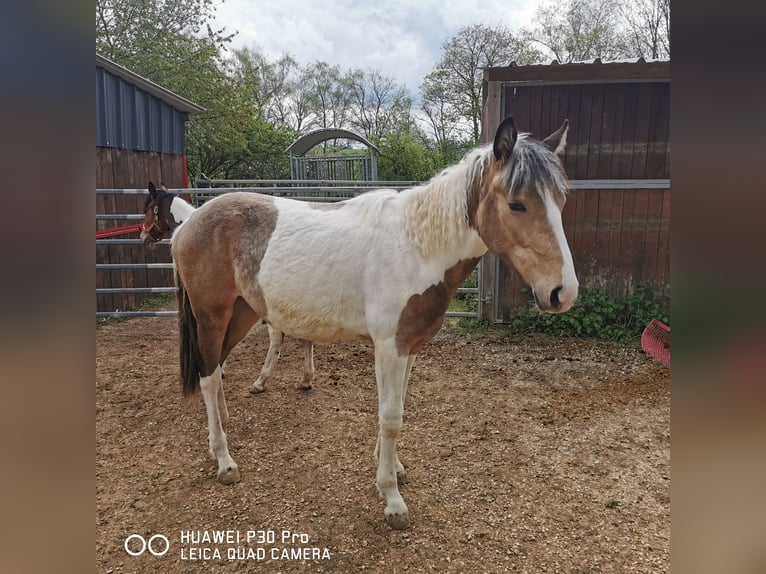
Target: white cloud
[400, 38]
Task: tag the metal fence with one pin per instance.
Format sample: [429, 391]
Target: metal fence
[466, 303]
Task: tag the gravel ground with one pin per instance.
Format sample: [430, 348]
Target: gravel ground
[522, 456]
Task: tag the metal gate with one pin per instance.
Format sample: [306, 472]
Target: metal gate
[466, 303]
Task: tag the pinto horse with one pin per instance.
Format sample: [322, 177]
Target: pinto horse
[381, 266]
[164, 212]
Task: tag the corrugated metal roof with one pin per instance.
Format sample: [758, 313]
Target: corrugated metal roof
[307, 141]
[596, 70]
[595, 61]
[179, 103]
[135, 114]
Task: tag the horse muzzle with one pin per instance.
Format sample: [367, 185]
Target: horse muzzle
[147, 239]
[557, 300]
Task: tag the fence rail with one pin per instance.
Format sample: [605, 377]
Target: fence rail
[305, 190]
[134, 266]
[130, 314]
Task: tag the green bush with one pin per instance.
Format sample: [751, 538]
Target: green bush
[596, 315]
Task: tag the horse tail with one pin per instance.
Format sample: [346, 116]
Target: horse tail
[187, 327]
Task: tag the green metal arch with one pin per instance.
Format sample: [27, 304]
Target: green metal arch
[303, 144]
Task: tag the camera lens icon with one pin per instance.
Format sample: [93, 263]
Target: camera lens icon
[145, 545]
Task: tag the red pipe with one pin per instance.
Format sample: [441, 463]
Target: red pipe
[115, 231]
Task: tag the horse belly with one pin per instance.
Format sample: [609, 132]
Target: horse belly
[313, 307]
[305, 319]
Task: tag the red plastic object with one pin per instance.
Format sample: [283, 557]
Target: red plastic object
[655, 341]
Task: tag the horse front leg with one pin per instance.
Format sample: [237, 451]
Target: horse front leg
[211, 386]
[390, 374]
[276, 337]
[308, 367]
[401, 473]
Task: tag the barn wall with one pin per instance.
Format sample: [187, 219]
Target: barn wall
[117, 169]
[619, 118]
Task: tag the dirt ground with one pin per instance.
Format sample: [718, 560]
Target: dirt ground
[522, 456]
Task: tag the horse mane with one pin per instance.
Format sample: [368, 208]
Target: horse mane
[437, 212]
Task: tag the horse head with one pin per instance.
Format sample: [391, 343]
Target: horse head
[159, 223]
[521, 194]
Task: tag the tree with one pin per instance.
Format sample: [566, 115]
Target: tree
[265, 156]
[376, 103]
[647, 24]
[171, 43]
[154, 38]
[281, 96]
[575, 30]
[443, 117]
[217, 139]
[406, 156]
[452, 92]
[328, 95]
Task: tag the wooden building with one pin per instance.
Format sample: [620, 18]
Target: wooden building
[140, 137]
[617, 216]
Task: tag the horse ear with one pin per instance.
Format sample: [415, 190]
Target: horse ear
[152, 190]
[162, 187]
[505, 139]
[557, 141]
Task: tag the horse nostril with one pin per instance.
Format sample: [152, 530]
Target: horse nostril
[555, 297]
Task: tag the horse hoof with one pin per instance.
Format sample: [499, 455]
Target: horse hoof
[304, 388]
[398, 520]
[228, 476]
[256, 390]
[305, 384]
[401, 477]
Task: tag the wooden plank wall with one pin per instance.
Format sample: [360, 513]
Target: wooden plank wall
[618, 237]
[616, 130]
[117, 169]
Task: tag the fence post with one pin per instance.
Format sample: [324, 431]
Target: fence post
[488, 287]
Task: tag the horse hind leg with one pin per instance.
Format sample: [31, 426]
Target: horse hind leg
[276, 337]
[308, 367]
[228, 471]
[212, 331]
[219, 331]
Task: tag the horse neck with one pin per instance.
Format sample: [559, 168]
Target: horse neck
[180, 209]
[436, 216]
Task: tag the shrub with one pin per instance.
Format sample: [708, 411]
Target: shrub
[596, 315]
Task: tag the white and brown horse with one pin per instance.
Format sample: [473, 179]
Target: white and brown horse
[382, 266]
[163, 213]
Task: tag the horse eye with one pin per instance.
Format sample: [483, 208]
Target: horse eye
[517, 206]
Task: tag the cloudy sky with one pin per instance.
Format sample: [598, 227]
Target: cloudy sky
[401, 38]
